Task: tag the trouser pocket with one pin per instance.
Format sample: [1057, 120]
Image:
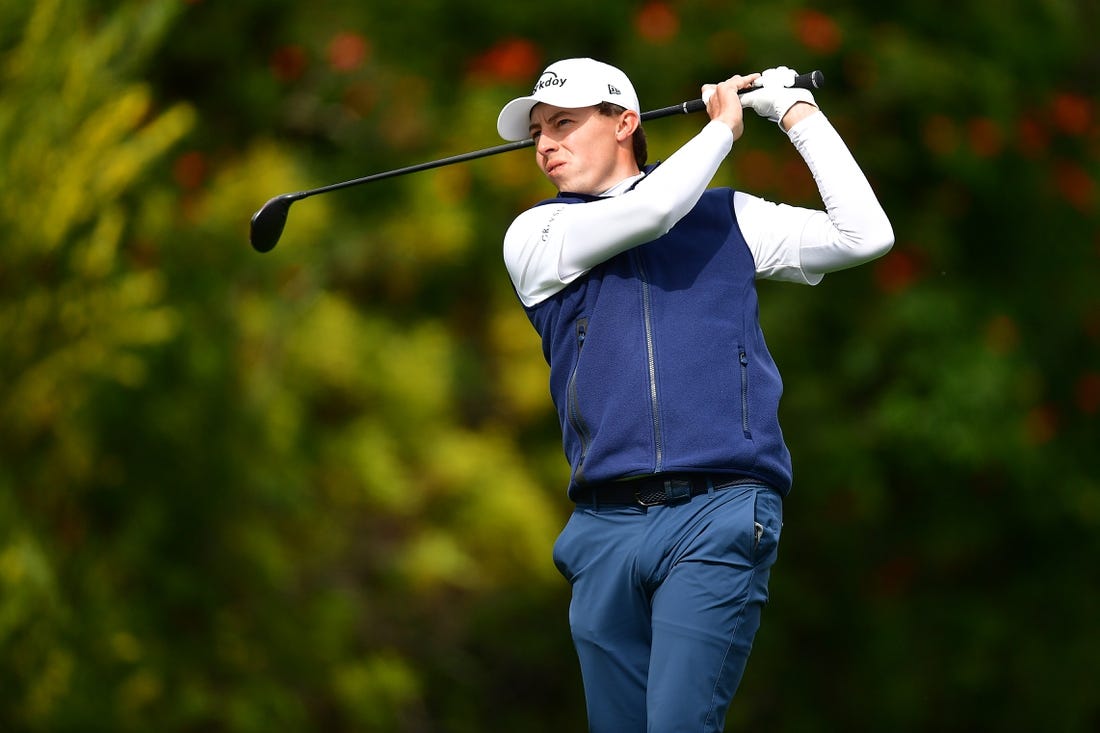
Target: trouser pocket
[767, 526]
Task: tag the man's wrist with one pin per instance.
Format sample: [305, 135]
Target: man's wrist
[798, 112]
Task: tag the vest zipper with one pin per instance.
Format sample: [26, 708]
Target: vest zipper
[651, 363]
[573, 408]
[744, 359]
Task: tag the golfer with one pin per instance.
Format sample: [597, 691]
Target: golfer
[641, 282]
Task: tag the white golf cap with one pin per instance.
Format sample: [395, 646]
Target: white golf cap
[571, 83]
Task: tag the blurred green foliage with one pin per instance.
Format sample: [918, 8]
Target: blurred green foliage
[317, 489]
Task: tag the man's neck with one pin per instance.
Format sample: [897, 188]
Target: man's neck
[622, 186]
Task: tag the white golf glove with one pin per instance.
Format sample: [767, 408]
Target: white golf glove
[773, 95]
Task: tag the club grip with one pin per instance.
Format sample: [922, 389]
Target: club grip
[809, 80]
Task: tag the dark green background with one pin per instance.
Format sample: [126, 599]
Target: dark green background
[317, 489]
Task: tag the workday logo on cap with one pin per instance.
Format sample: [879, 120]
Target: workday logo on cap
[548, 79]
[571, 83]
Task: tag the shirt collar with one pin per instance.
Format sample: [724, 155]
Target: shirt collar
[622, 186]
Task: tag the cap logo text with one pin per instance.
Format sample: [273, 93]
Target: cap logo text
[611, 89]
[548, 79]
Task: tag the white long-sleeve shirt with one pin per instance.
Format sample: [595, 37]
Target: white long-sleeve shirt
[548, 247]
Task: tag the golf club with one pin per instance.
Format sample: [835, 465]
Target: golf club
[268, 223]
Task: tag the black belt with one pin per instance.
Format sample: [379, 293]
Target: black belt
[657, 490]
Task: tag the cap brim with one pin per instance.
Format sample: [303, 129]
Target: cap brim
[514, 121]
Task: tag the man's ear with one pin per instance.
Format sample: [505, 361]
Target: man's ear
[628, 123]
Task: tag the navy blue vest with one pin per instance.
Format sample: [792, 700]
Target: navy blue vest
[657, 360]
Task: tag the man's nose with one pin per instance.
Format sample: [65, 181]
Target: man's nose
[545, 144]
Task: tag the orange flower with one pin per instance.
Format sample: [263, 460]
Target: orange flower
[1072, 113]
[1041, 424]
[817, 31]
[514, 60]
[896, 272]
[1075, 184]
[656, 22]
[1032, 138]
[347, 51]
[189, 170]
[985, 136]
[1088, 393]
[288, 63]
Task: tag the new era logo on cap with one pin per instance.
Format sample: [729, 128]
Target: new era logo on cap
[612, 90]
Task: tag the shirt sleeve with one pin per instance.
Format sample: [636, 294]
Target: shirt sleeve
[549, 246]
[801, 245]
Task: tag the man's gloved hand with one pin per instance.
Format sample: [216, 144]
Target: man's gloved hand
[773, 95]
[780, 76]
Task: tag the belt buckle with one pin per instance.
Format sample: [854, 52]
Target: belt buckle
[674, 492]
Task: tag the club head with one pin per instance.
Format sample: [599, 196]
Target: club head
[268, 222]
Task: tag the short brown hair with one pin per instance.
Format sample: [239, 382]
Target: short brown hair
[641, 148]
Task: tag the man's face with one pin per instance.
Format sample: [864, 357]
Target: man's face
[577, 149]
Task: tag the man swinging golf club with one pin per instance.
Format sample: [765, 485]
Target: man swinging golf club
[641, 282]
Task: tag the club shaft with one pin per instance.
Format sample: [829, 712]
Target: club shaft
[811, 80]
[460, 158]
[267, 223]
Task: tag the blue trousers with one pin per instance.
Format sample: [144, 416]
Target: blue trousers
[665, 604]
